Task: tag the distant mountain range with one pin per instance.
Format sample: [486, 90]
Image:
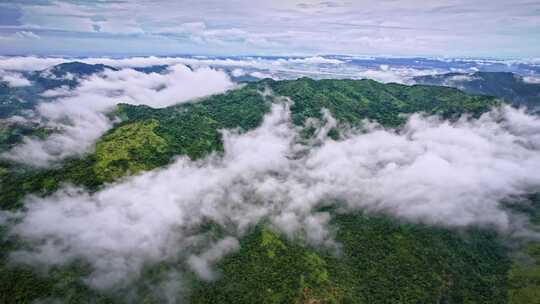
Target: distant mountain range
[508, 86]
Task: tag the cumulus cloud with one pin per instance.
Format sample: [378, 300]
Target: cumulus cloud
[438, 172]
[386, 74]
[237, 72]
[532, 79]
[462, 78]
[30, 63]
[80, 114]
[14, 79]
[434, 171]
[316, 60]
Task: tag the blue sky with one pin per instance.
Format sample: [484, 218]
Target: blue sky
[452, 28]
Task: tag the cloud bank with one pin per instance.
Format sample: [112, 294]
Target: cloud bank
[432, 171]
[258, 67]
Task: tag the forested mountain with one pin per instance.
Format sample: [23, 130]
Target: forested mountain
[380, 259]
[148, 138]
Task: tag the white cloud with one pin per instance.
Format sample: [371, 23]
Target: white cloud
[40, 63]
[440, 173]
[461, 78]
[14, 79]
[532, 79]
[315, 67]
[81, 114]
[185, 28]
[30, 63]
[387, 74]
[26, 35]
[316, 60]
[292, 27]
[238, 72]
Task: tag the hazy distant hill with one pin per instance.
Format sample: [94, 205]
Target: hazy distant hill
[506, 85]
[13, 100]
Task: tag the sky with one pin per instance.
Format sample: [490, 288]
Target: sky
[452, 28]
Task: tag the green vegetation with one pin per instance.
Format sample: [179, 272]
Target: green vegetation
[119, 152]
[12, 134]
[380, 261]
[16, 182]
[524, 277]
[270, 269]
[351, 101]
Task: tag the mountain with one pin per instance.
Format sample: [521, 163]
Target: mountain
[18, 100]
[15, 100]
[65, 74]
[193, 129]
[76, 68]
[152, 69]
[381, 259]
[508, 86]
